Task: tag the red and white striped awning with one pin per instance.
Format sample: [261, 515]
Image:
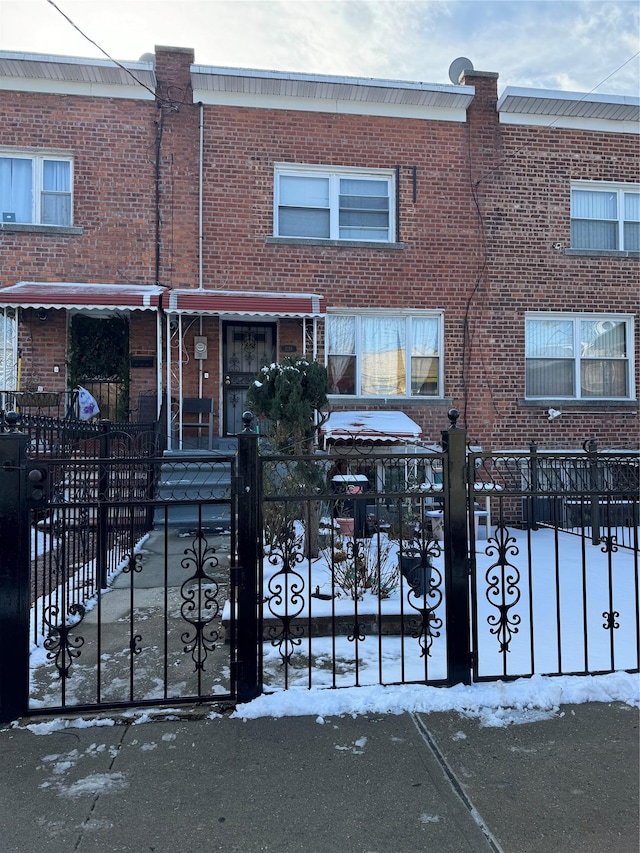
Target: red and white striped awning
[54, 294]
[245, 303]
[378, 426]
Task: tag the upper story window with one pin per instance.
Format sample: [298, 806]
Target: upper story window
[384, 355]
[332, 204]
[35, 188]
[578, 356]
[605, 216]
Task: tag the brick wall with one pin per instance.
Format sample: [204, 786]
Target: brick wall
[491, 201]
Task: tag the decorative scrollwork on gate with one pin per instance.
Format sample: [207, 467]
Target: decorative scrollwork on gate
[502, 591]
[611, 617]
[609, 544]
[200, 604]
[427, 627]
[61, 647]
[286, 588]
[133, 564]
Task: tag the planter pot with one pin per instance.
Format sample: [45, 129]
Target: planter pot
[346, 526]
[416, 575]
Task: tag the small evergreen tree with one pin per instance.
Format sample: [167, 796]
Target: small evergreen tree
[291, 395]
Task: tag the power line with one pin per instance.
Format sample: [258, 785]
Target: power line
[551, 123]
[102, 50]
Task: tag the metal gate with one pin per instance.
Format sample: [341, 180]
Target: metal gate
[131, 578]
[120, 576]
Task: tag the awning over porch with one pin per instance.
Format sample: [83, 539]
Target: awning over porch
[386, 426]
[245, 303]
[121, 297]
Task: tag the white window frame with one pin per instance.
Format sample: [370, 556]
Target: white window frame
[334, 174]
[408, 316]
[577, 358]
[37, 157]
[619, 189]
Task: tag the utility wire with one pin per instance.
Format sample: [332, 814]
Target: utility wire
[547, 126]
[95, 44]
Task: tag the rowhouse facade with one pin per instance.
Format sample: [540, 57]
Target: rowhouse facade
[433, 245]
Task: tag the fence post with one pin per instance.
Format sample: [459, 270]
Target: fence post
[532, 521]
[104, 453]
[15, 577]
[249, 539]
[456, 562]
[591, 448]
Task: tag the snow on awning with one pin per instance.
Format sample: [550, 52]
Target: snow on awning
[245, 303]
[121, 297]
[387, 426]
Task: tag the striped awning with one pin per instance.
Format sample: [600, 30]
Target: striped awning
[244, 303]
[377, 426]
[121, 297]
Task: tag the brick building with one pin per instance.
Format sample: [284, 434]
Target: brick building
[434, 245]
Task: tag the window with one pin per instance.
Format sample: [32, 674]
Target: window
[384, 355]
[605, 216]
[331, 205]
[580, 357]
[35, 189]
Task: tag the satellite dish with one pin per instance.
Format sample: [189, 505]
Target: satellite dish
[457, 67]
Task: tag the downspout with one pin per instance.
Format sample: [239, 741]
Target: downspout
[158, 146]
[169, 436]
[200, 194]
[159, 364]
[200, 235]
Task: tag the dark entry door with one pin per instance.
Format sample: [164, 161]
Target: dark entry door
[247, 348]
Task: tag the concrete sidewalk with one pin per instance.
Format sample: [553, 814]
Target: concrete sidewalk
[369, 784]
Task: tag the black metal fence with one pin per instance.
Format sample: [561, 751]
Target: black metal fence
[362, 565]
[405, 536]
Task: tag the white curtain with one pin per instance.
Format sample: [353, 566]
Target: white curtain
[632, 222]
[16, 188]
[56, 193]
[383, 371]
[341, 349]
[7, 353]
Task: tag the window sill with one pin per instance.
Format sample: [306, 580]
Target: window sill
[40, 229]
[352, 399]
[600, 253]
[570, 403]
[337, 244]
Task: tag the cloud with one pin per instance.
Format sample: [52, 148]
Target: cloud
[557, 44]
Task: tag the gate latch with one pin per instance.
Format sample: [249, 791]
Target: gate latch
[38, 484]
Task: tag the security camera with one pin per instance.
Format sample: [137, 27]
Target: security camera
[553, 414]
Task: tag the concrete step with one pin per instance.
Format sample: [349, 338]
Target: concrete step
[190, 517]
[195, 479]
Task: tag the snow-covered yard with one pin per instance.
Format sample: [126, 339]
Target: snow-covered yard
[560, 588]
[566, 606]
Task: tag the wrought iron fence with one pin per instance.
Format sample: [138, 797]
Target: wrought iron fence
[556, 589]
[353, 593]
[362, 565]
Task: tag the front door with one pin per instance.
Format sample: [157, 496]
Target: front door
[247, 348]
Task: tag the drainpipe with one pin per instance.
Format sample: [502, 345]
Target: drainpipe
[200, 193]
[200, 234]
[169, 436]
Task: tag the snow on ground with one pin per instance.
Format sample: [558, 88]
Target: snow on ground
[559, 582]
[494, 704]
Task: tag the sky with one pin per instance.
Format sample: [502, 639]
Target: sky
[571, 45]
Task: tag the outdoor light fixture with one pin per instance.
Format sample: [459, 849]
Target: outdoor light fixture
[553, 414]
[42, 314]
